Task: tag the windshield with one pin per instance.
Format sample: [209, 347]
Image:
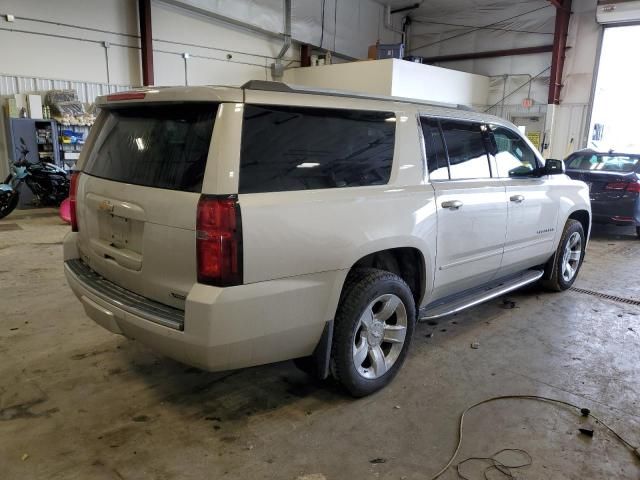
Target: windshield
[604, 163]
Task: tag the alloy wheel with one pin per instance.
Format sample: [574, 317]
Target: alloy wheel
[380, 336]
[571, 256]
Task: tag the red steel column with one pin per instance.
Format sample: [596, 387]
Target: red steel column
[563, 15]
[146, 42]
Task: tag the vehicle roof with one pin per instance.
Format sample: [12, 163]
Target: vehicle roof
[218, 93]
[598, 153]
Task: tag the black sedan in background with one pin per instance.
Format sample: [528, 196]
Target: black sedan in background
[614, 185]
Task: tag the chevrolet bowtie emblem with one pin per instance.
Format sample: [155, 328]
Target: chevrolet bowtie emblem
[105, 206]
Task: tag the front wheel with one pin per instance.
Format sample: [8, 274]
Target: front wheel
[8, 202]
[564, 267]
[373, 330]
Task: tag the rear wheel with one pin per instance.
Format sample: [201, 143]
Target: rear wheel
[563, 269]
[373, 330]
[8, 202]
[638, 231]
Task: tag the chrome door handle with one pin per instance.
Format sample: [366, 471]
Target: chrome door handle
[452, 204]
[517, 198]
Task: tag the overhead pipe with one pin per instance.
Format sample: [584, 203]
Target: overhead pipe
[389, 25]
[277, 69]
[405, 9]
[489, 54]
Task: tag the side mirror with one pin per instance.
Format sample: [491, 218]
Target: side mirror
[553, 167]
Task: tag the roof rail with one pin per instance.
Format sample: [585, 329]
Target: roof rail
[266, 86]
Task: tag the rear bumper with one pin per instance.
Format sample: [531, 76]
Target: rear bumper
[617, 212]
[222, 328]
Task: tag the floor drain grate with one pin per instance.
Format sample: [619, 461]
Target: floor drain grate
[7, 227]
[628, 301]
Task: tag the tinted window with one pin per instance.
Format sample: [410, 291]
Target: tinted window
[295, 148]
[436, 155]
[513, 156]
[466, 148]
[163, 146]
[604, 163]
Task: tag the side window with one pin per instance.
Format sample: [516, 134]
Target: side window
[299, 148]
[436, 155]
[467, 153]
[513, 156]
[582, 162]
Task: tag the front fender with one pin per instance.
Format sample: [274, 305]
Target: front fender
[574, 200]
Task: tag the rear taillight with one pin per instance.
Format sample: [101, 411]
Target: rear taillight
[219, 241]
[633, 187]
[616, 186]
[73, 191]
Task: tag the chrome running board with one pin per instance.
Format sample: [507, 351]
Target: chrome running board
[442, 308]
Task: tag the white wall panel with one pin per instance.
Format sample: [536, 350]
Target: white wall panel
[352, 28]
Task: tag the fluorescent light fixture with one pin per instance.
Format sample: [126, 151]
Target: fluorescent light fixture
[390, 119]
[308, 165]
[140, 144]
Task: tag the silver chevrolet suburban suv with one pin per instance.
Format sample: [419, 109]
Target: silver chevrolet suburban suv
[231, 227]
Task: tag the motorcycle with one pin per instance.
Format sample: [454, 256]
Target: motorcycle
[48, 182]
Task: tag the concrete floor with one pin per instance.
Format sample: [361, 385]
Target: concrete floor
[77, 402]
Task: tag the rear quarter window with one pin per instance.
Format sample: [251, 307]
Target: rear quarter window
[298, 148]
[155, 145]
[604, 163]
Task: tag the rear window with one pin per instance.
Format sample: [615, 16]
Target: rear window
[604, 163]
[162, 145]
[296, 148]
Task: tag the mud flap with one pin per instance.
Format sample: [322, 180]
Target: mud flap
[318, 363]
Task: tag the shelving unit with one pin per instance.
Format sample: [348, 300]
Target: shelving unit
[46, 141]
[72, 139]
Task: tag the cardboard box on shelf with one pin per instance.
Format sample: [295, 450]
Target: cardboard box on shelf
[35, 106]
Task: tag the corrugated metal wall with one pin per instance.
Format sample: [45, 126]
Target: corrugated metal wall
[11, 84]
[87, 92]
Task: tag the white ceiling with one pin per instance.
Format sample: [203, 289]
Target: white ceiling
[483, 11]
[510, 24]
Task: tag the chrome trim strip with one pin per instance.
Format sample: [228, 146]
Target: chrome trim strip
[439, 311]
[124, 299]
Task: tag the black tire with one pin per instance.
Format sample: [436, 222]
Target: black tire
[8, 202]
[362, 288]
[638, 231]
[553, 278]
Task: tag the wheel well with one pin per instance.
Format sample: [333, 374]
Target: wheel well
[583, 217]
[407, 263]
